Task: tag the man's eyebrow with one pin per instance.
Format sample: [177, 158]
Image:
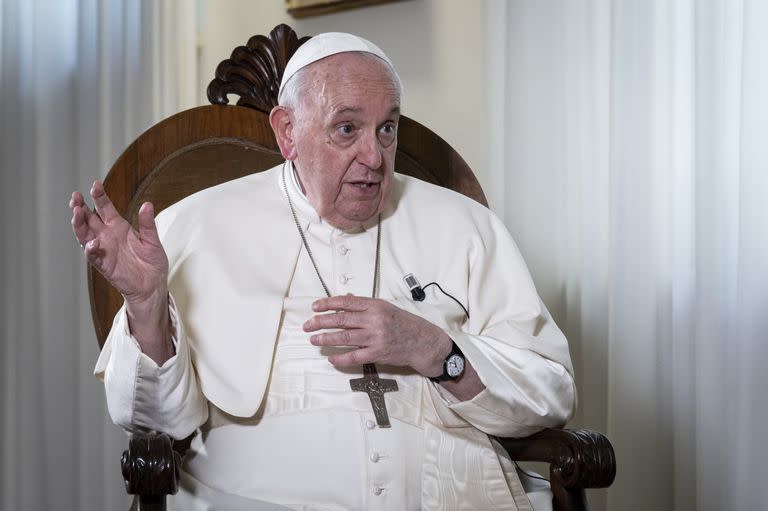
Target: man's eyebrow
[347, 110]
[354, 110]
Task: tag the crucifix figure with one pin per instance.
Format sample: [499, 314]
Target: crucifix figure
[375, 387]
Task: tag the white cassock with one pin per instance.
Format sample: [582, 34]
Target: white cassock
[278, 423]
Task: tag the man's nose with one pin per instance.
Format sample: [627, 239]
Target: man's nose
[369, 151]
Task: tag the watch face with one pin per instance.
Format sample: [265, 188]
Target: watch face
[454, 366]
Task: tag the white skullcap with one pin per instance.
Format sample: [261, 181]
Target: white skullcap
[325, 45]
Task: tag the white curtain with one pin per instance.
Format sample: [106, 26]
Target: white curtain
[79, 79]
[634, 163]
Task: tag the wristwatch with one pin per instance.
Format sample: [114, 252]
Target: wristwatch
[453, 366]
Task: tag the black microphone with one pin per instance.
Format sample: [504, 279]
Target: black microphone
[417, 292]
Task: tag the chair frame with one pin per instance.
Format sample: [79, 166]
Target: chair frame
[151, 465]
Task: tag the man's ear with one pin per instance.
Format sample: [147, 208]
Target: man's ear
[282, 126]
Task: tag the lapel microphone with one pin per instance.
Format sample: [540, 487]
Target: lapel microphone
[417, 292]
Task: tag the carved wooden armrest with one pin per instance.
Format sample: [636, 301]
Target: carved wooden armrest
[578, 459]
[151, 469]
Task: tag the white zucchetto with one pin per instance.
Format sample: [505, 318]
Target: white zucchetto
[325, 45]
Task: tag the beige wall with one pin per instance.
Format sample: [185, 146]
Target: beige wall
[436, 45]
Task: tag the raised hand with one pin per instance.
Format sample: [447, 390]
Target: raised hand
[134, 262]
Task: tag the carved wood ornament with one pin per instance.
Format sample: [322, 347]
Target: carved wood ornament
[254, 71]
[151, 470]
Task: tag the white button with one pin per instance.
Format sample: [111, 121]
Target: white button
[343, 250]
[370, 424]
[345, 278]
[377, 490]
[375, 457]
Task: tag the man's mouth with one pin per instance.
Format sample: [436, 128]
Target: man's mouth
[364, 185]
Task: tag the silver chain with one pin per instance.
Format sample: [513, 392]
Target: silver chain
[309, 252]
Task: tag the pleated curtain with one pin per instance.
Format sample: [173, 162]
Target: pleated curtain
[79, 80]
[633, 159]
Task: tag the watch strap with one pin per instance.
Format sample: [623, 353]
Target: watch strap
[445, 376]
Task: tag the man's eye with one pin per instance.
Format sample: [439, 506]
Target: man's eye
[387, 134]
[388, 129]
[346, 129]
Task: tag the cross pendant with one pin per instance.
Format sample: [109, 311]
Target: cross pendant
[375, 387]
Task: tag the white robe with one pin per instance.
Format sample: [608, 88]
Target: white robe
[235, 256]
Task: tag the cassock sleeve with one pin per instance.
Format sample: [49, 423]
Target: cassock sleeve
[512, 342]
[144, 396]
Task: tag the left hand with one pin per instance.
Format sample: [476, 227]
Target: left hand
[383, 333]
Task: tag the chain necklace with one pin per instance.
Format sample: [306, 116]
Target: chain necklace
[312, 258]
[370, 383]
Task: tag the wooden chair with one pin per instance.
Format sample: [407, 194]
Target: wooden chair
[207, 145]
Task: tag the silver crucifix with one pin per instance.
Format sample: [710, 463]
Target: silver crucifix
[375, 387]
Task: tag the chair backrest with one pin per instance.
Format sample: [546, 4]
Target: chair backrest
[208, 145]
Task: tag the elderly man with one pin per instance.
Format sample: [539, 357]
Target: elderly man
[280, 315]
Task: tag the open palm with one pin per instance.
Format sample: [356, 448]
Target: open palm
[133, 261]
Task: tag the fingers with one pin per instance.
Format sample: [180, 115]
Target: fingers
[343, 302]
[356, 337]
[352, 358]
[341, 319]
[147, 225]
[93, 253]
[76, 200]
[85, 224]
[80, 225]
[101, 202]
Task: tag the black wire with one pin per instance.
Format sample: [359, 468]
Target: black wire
[448, 295]
[534, 476]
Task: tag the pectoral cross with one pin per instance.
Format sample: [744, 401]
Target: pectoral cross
[375, 387]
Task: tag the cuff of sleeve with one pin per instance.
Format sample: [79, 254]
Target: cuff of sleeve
[441, 403]
[520, 399]
[136, 386]
[482, 410]
[149, 367]
[158, 385]
[478, 411]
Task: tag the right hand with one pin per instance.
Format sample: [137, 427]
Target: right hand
[134, 262]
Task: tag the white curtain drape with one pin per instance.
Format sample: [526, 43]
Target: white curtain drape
[634, 164]
[79, 79]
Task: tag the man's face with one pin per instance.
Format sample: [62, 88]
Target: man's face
[345, 137]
